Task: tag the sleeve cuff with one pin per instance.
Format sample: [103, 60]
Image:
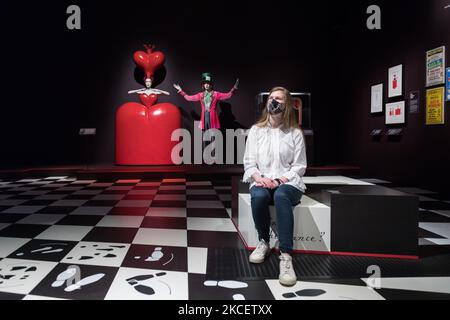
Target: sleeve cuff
[248, 174]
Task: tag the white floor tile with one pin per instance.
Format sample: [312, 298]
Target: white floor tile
[87, 192]
[23, 209]
[91, 211]
[68, 203]
[198, 183]
[27, 277]
[167, 237]
[415, 190]
[330, 291]
[211, 224]
[9, 245]
[121, 221]
[163, 285]
[204, 204]
[97, 253]
[51, 197]
[55, 178]
[134, 203]
[35, 193]
[5, 196]
[423, 198]
[120, 188]
[174, 180]
[442, 229]
[4, 225]
[174, 187]
[33, 297]
[65, 233]
[374, 181]
[197, 260]
[84, 181]
[200, 192]
[7, 203]
[108, 197]
[166, 212]
[425, 284]
[148, 184]
[439, 241]
[170, 197]
[128, 181]
[143, 192]
[45, 219]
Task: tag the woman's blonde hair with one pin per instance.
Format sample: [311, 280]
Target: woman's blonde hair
[289, 116]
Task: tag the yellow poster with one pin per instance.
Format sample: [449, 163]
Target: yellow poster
[435, 106]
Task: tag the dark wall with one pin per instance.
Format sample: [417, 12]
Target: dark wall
[57, 80]
[421, 156]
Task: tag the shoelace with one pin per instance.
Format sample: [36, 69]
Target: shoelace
[261, 247]
[286, 263]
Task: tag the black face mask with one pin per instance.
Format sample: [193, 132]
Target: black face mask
[274, 107]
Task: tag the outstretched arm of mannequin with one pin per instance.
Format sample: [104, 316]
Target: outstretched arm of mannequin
[134, 91]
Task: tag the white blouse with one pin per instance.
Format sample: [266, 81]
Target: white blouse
[275, 153]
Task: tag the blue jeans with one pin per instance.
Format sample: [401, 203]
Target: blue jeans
[284, 197]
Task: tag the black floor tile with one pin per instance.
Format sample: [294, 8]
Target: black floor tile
[56, 210]
[202, 197]
[107, 234]
[100, 203]
[164, 222]
[46, 250]
[208, 239]
[128, 211]
[11, 296]
[139, 197]
[23, 230]
[11, 217]
[80, 220]
[168, 204]
[206, 213]
[38, 203]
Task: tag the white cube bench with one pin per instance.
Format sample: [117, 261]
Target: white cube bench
[312, 224]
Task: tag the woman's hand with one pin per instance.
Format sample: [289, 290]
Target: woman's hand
[177, 86]
[266, 183]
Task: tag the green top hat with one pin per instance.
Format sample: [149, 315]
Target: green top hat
[206, 77]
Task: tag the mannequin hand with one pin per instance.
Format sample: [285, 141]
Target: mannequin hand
[236, 84]
[177, 86]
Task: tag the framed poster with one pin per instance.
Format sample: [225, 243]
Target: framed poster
[395, 81]
[435, 66]
[376, 104]
[414, 101]
[435, 106]
[395, 112]
[447, 86]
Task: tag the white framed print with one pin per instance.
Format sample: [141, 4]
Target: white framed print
[435, 66]
[395, 81]
[395, 112]
[376, 104]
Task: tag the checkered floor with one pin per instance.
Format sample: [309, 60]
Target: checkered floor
[63, 238]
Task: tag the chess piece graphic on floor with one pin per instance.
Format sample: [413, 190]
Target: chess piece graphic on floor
[304, 293]
[72, 278]
[136, 283]
[144, 130]
[229, 284]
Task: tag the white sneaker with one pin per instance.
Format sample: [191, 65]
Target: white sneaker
[287, 273]
[259, 254]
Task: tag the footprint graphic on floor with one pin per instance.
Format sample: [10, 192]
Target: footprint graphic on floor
[229, 284]
[49, 248]
[103, 252]
[146, 289]
[14, 275]
[156, 256]
[304, 293]
[71, 277]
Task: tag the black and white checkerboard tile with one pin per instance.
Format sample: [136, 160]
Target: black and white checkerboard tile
[63, 238]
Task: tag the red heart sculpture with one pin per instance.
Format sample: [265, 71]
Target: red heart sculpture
[143, 135]
[149, 62]
[148, 100]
